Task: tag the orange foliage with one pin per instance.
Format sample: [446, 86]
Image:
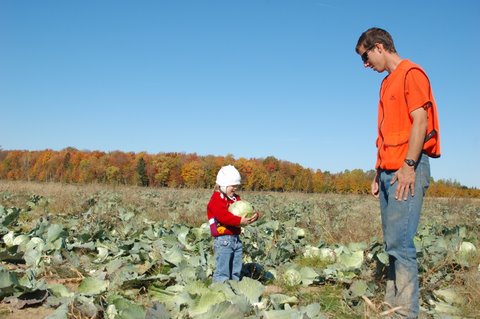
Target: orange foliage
[190, 170]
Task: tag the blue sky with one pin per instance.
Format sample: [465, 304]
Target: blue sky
[251, 78]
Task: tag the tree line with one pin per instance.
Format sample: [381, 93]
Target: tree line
[180, 170]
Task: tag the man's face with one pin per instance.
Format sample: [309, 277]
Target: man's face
[371, 57]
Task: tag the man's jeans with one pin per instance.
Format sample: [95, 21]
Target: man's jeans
[399, 224]
[228, 256]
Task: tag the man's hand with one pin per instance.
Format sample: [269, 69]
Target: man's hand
[406, 174]
[406, 182]
[375, 190]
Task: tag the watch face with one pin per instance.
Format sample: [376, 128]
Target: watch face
[410, 162]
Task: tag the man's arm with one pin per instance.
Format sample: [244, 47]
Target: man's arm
[406, 174]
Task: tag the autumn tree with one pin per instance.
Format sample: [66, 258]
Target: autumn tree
[11, 168]
[142, 172]
[211, 165]
[193, 174]
[256, 177]
[163, 164]
[112, 174]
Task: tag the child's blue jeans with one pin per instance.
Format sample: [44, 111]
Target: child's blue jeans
[400, 219]
[228, 256]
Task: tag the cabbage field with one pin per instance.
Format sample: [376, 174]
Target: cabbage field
[94, 251]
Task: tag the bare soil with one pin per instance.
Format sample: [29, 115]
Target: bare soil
[6, 312]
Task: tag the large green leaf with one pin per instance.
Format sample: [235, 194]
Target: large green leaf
[226, 289]
[250, 288]
[383, 257]
[7, 278]
[157, 311]
[34, 251]
[125, 308]
[54, 232]
[282, 314]
[92, 286]
[308, 275]
[357, 246]
[102, 254]
[114, 265]
[182, 234]
[205, 301]
[184, 273]
[223, 310]
[8, 238]
[197, 288]
[313, 311]
[358, 288]
[86, 305]
[173, 256]
[60, 313]
[9, 215]
[202, 232]
[173, 297]
[60, 290]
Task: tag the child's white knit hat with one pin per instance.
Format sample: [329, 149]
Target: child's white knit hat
[228, 176]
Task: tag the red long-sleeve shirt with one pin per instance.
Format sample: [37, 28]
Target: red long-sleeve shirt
[222, 222]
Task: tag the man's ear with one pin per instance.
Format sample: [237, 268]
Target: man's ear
[380, 47]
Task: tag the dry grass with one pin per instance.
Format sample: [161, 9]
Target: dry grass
[469, 287]
[67, 199]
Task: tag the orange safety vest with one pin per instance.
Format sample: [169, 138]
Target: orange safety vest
[400, 96]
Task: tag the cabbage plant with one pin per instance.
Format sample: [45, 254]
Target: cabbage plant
[292, 277]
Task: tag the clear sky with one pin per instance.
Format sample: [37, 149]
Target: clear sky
[251, 78]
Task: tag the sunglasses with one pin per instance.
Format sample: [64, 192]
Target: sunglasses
[364, 55]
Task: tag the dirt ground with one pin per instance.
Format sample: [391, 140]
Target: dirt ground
[7, 312]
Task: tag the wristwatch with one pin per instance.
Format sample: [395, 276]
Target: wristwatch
[410, 162]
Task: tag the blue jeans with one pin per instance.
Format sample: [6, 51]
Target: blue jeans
[399, 224]
[228, 256]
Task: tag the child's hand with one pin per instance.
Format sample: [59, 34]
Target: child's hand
[245, 221]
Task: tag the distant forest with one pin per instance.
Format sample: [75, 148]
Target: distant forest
[180, 170]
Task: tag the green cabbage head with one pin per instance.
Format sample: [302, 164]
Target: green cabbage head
[241, 208]
[292, 277]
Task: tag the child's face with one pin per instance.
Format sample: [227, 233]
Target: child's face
[232, 189]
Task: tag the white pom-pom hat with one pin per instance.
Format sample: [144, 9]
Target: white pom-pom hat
[228, 176]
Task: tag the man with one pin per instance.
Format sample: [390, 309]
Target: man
[408, 134]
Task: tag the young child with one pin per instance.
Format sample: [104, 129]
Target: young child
[226, 227]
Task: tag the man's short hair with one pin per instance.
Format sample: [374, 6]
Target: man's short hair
[373, 36]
